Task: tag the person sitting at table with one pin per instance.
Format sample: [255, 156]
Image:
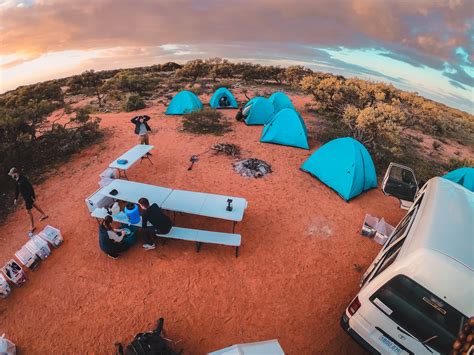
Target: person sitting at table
[110, 239]
[160, 222]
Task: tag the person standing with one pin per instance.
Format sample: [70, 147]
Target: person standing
[24, 187]
[142, 128]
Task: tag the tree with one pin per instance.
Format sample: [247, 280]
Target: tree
[90, 79]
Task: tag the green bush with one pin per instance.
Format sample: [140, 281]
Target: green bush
[207, 121]
[133, 103]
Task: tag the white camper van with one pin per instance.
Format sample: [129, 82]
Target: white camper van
[419, 290]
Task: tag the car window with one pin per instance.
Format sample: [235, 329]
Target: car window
[425, 316]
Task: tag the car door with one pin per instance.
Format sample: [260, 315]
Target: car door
[400, 181]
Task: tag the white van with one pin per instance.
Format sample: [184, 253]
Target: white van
[419, 290]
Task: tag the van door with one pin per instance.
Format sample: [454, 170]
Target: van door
[400, 231]
[400, 181]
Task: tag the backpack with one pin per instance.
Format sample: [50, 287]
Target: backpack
[149, 343]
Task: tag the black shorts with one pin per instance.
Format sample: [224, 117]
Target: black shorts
[29, 203]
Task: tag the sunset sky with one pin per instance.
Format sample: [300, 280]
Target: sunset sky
[418, 45]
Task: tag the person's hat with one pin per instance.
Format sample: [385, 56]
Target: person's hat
[13, 171]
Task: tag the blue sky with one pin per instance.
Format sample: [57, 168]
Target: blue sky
[422, 45]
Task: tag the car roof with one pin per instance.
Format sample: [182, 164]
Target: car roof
[444, 223]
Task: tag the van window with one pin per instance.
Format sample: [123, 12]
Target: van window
[419, 312]
[404, 223]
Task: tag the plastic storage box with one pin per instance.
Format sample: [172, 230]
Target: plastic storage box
[14, 273]
[5, 289]
[98, 200]
[39, 247]
[27, 257]
[52, 236]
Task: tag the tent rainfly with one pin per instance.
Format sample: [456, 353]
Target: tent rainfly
[280, 101]
[258, 111]
[286, 128]
[184, 102]
[345, 165]
[462, 176]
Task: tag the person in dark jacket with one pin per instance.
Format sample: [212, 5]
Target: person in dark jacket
[110, 240]
[24, 187]
[142, 128]
[160, 222]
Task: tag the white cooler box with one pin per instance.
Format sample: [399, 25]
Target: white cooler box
[52, 236]
[38, 247]
[27, 258]
[97, 200]
[4, 287]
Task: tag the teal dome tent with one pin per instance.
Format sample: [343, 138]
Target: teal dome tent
[345, 165]
[286, 128]
[258, 111]
[220, 94]
[184, 102]
[462, 176]
[280, 101]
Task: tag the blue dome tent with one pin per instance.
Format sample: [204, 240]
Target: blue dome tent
[184, 102]
[258, 111]
[220, 94]
[345, 165]
[286, 128]
[280, 101]
[462, 176]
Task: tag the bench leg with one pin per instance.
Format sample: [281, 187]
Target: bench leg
[233, 227]
[236, 252]
[198, 246]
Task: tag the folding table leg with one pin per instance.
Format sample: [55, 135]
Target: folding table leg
[233, 227]
[236, 252]
[125, 174]
[149, 159]
[198, 246]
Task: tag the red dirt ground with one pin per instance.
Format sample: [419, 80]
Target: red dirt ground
[294, 277]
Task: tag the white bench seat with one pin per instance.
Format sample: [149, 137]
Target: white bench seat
[201, 236]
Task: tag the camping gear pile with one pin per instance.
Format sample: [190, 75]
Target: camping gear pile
[377, 229]
[35, 250]
[252, 167]
[152, 342]
[227, 149]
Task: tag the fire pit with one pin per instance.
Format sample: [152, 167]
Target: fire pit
[252, 167]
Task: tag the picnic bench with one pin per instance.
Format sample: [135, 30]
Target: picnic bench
[140, 151]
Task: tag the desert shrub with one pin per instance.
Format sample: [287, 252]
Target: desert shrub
[193, 70]
[455, 163]
[133, 103]
[51, 144]
[207, 121]
[437, 145]
[88, 83]
[295, 73]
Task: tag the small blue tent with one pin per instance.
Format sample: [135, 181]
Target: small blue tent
[184, 102]
[279, 100]
[286, 128]
[258, 111]
[345, 165]
[462, 176]
[219, 94]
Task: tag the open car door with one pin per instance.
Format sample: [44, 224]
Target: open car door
[400, 181]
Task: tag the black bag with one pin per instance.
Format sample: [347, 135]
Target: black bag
[239, 116]
[150, 343]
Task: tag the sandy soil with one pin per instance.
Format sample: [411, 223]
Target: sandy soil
[296, 273]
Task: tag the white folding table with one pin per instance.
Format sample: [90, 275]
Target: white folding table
[131, 191]
[131, 156]
[205, 204]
